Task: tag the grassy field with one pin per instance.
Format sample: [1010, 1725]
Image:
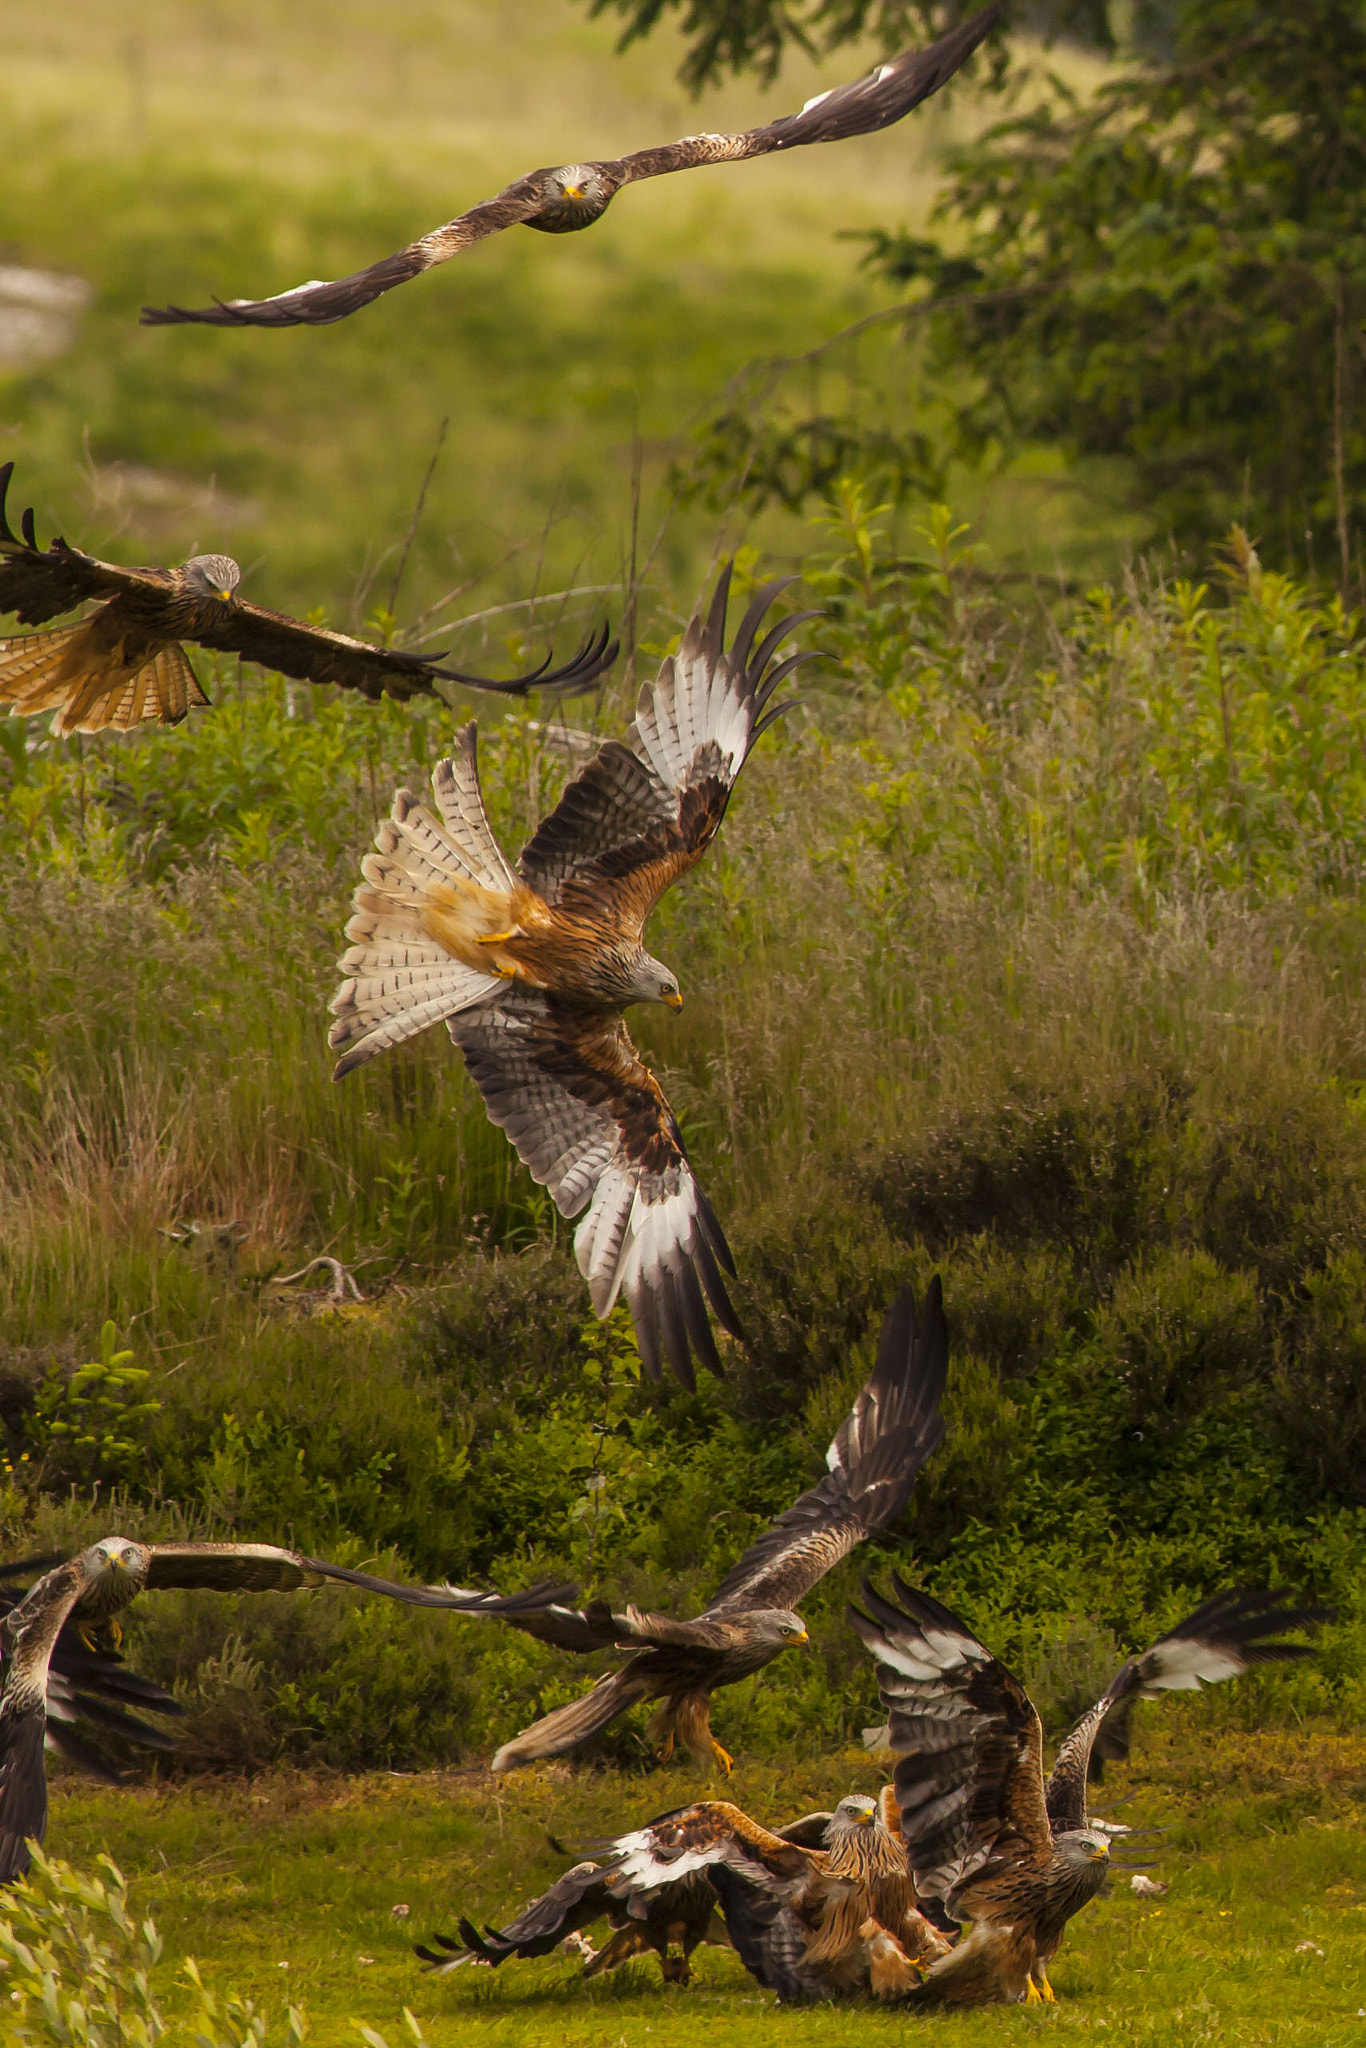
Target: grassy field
[284, 1887]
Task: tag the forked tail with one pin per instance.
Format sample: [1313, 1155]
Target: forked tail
[432, 886]
[568, 1726]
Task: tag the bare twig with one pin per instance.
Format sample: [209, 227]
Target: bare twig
[417, 513]
[343, 1282]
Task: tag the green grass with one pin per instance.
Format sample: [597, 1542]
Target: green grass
[1266, 1849]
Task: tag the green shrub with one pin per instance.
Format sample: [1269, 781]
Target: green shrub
[76, 1971]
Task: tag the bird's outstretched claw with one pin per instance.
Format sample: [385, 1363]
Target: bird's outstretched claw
[723, 1757]
[666, 1748]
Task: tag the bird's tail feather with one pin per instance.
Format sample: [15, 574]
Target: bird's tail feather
[89, 687]
[44, 671]
[568, 1726]
[433, 888]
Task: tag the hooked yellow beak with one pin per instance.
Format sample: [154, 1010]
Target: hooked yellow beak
[867, 1819]
[223, 596]
[573, 191]
[675, 1001]
[1101, 1854]
[804, 1637]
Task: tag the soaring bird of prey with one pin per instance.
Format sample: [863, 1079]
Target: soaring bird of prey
[878, 1450]
[572, 196]
[125, 665]
[811, 1920]
[532, 967]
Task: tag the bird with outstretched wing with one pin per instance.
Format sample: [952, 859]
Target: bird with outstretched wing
[812, 1918]
[125, 663]
[59, 1642]
[969, 1783]
[118, 1568]
[562, 200]
[531, 969]
[91, 1692]
[878, 1450]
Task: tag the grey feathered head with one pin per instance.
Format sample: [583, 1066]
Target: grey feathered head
[212, 575]
[779, 1625]
[856, 1811]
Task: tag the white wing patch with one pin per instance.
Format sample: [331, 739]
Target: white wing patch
[1186, 1666]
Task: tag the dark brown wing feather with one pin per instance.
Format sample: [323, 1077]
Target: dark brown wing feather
[573, 1901]
[1223, 1638]
[38, 584]
[592, 1125]
[29, 1633]
[883, 96]
[969, 1778]
[313, 654]
[711, 1831]
[868, 104]
[320, 303]
[637, 818]
[771, 1940]
[452, 1599]
[893, 1427]
[583, 1630]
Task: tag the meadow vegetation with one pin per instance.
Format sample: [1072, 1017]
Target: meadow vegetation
[1031, 954]
[285, 1888]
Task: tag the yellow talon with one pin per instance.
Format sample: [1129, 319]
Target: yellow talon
[723, 1756]
[496, 938]
[1033, 1995]
[666, 1748]
[1046, 1991]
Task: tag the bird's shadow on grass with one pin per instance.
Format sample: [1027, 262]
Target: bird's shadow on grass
[631, 1983]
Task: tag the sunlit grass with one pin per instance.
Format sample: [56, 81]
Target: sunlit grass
[285, 1887]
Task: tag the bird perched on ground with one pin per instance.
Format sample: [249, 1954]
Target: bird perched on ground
[560, 201]
[890, 1431]
[969, 1783]
[812, 1920]
[531, 969]
[985, 1836]
[88, 1594]
[125, 665]
[672, 1916]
